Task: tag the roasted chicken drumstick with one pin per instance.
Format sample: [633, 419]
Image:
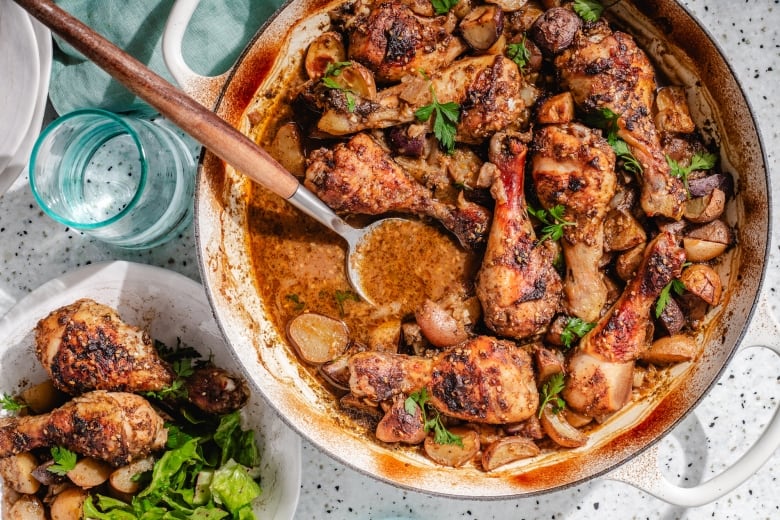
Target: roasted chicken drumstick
[600, 370]
[483, 379]
[574, 166]
[86, 346]
[517, 285]
[115, 427]
[359, 176]
[607, 70]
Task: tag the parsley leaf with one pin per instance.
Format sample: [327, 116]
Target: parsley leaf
[700, 161]
[588, 10]
[518, 53]
[299, 305]
[663, 299]
[441, 435]
[342, 296]
[64, 460]
[550, 390]
[607, 120]
[553, 222]
[443, 6]
[8, 402]
[575, 327]
[177, 390]
[446, 116]
[332, 71]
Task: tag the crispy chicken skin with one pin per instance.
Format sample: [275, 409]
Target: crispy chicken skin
[483, 380]
[115, 427]
[216, 391]
[607, 70]
[488, 89]
[574, 166]
[359, 176]
[599, 371]
[393, 41]
[517, 285]
[86, 346]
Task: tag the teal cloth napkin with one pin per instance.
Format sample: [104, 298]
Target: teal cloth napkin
[218, 32]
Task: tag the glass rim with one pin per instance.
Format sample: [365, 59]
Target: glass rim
[49, 129]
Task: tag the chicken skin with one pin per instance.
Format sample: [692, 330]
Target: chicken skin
[600, 370]
[115, 427]
[359, 176]
[86, 346]
[393, 41]
[574, 166]
[489, 90]
[483, 380]
[607, 70]
[517, 285]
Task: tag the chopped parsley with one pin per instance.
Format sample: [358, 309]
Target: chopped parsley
[445, 120]
[518, 53]
[64, 460]
[553, 222]
[699, 161]
[298, 304]
[575, 327]
[332, 71]
[443, 6]
[8, 402]
[183, 369]
[607, 120]
[550, 390]
[342, 296]
[663, 299]
[588, 10]
[441, 435]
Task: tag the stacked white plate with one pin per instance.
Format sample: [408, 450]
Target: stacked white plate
[25, 59]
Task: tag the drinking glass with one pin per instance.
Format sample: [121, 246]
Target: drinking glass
[123, 180]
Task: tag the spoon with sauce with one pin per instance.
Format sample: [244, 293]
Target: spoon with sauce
[205, 127]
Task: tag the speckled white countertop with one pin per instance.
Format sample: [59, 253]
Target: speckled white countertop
[33, 249]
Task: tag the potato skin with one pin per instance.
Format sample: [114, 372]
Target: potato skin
[16, 471]
[554, 31]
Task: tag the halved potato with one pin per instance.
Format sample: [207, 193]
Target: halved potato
[506, 450]
[318, 338]
[453, 455]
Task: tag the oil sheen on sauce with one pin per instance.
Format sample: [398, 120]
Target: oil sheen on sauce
[300, 266]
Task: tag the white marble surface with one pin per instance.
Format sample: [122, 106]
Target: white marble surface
[34, 249]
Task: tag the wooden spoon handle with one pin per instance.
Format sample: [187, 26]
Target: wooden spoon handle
[203, 125]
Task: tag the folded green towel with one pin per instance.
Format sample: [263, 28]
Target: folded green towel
[218, 32]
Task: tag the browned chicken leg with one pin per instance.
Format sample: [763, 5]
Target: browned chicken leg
[359, 176]
[489, 89]
[393, 41]
[600, 370]
[574, 166]
[517, 284]
[483, 380]
[86, 346]
[115, 427]
[607, 70]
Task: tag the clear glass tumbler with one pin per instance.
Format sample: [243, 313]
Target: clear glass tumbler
[125, 181]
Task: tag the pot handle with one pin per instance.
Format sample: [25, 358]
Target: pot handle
[642, 471]
[205, 89]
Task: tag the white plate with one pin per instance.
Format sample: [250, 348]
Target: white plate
[10, 169]
[169, 306]
[21, 73]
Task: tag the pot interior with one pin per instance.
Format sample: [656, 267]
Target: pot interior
[682, 50]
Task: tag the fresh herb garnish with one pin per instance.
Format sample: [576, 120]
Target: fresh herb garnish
[588, 10]
[332, 71]
[170, 354]
[341, 297]
[663, 299]
[699, 161]
[518, 53]
[441, 435]
[445, 120]
[553, 222]
[550, 390]
[177, 390]
[606, 119]
[64, 460]
[443, 6]
[8, 402]
[575, 327]
[298, 304]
